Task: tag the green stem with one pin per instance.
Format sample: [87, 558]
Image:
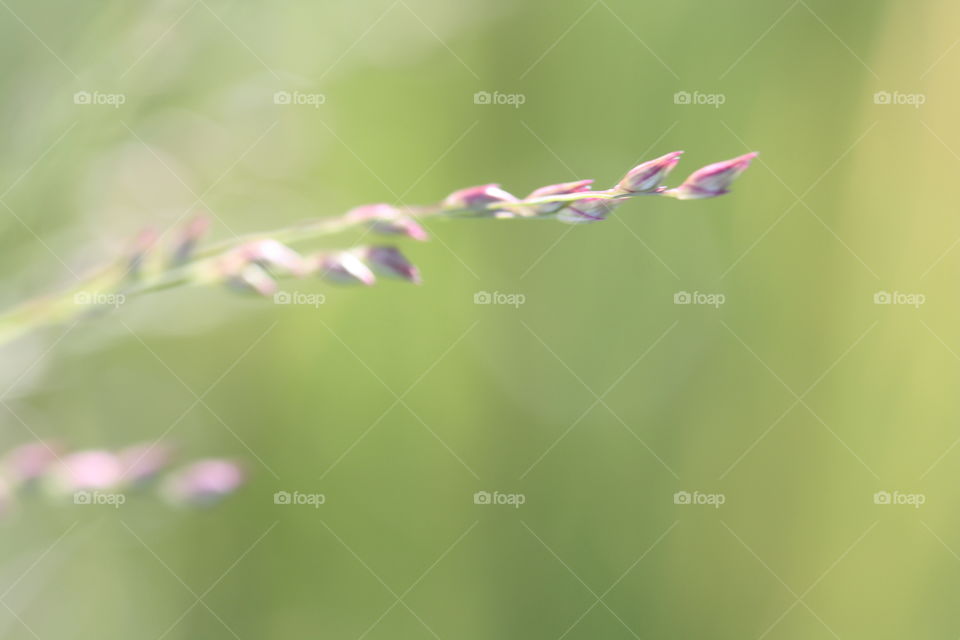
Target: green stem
[74, 303]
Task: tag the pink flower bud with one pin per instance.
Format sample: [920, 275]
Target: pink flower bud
[203, 482]
[343, 268]
[588, 210]
[388, 220]
[647, 177]
[712, 180]
[390, 262]
[270, 253]
[562, 189]
[478, 198]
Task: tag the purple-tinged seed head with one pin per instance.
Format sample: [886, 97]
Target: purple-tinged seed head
[142, 245]
[248, 277]
[712, 180]
[402, 227]
[562, 189]
[588, 210]
[380, 211]
[389, 261]
[142, 462]
[273, 254]
[646, 177]
[26, 463]
[388, 220]
[245, 268]
[477, 198]
[203, 482]
[343, 268]
[190, 235]
[88, 470]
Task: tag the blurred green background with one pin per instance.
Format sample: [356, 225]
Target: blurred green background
[598, 399]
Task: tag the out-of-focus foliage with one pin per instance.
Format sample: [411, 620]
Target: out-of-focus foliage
[598, 398]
